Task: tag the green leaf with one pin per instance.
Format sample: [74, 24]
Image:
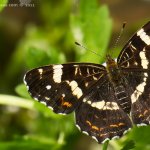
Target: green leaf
[141, 137]
[105, 145]
[45, 110]
[3, 4]
[31, 143]
[36, 57]
[34, 49]
[21, 90]
[38, 50]
[129, 145]
[92, 27]
[16, 101]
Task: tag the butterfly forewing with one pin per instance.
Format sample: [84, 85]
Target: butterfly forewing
[134, 61]
[61, 87]
[130, 55]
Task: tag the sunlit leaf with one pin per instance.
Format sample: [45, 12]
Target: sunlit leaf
[129, 145]
[3, 4]
[91, 28]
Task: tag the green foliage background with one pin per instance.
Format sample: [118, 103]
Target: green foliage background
[27, 124]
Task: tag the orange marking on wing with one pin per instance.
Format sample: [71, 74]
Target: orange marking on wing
[95, 127]
[101, 129]
[88, 122]
[67, 104]
[103, 134]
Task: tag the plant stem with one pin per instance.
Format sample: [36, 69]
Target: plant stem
[105, 145]
[16, 101]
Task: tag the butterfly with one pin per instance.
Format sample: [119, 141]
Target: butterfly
[107, 101]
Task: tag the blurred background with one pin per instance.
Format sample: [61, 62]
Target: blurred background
[40, 32]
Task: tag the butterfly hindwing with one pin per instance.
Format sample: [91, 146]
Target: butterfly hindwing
[100, 116]
[60, 87]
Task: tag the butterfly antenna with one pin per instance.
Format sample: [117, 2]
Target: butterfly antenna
[78, 44]
[121, 32]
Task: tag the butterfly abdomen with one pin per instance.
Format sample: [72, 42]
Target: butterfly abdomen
[122, 98]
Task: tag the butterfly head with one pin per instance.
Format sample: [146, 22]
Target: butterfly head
[110, 61]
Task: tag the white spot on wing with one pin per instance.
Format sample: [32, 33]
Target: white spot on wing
[94, 78]
[93, 137]
[144, 37]
[86, 84]
[78, 127]
[135, 63]
[144, 60]
[139, 89]
[104, 105]
[63, 95]
[141, 124]
[111, 106]
[73, 85]
[76, 70]
[107, 139]
[84, 100]
[43, 102]
[47, 98]
[98, 105]
[50, 107]
[115, 137]
[36, 98]
[62, 114]
[89, 102]
[75, 89]
[40, 71]
[48, 87]
[57, 73]
[126, 131]
[24, 79]
[85, 132]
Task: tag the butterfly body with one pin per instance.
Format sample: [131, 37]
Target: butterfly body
[118, 84]
[113, 71]
[107, 100]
